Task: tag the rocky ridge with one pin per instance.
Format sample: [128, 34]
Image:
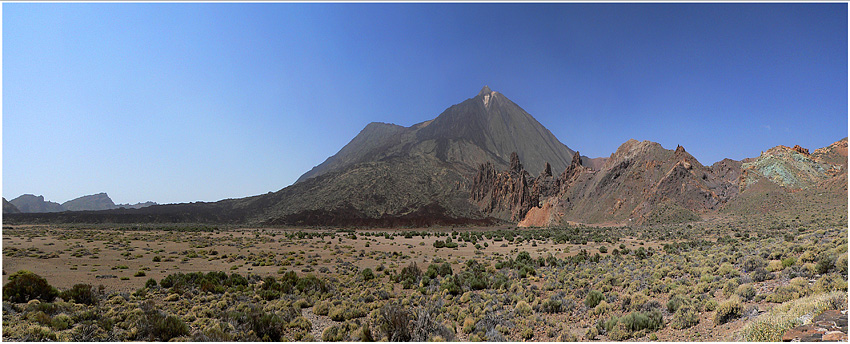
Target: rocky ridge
[644, 183]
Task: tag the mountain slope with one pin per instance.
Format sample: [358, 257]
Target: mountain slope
[9, 208]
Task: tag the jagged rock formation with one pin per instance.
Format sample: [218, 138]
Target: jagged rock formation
[9, 208]
[512, 193]
[504, 194]
[28, 203]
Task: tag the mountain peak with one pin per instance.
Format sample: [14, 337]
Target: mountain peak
[485, 91]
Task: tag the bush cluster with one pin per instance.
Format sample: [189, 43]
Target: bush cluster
[25, 285]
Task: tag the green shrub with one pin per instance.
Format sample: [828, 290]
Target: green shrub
[24, 286]
[335, 333]
[593, 298]
[746, 291]
[522, 308]
[62, 322]
[783, 294]
[675, 302]
[154, 325]
[409, 276]
[80, 293]
[151, 283]
[727, 311]
[321, 308]
[684, 317]
[367, 274]
[267, 327]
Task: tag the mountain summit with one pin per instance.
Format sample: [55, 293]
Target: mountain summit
[487, 127]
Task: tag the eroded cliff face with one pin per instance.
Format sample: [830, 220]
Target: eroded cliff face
[504, 194]
[512, 193]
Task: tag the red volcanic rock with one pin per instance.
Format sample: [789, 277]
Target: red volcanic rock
[800, 150]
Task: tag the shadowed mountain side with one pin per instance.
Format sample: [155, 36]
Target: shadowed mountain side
[9, 208]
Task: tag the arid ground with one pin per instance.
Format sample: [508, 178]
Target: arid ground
[705, 281]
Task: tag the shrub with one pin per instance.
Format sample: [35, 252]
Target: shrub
[727, 311]
[624, 327]
[36, 333]
[675, 302]
[824, 265]
[593, 298]
[409, 276]
[321, 308]
[367, 274]
[522, 308]
[394, 322]
[552, 305]
[151, 283]
[154, 325]
[684, 317]
[24, 286]
[335, 333]
[345, 311]
[746, 291]
[80, 293]
[761, 275]
[62, 322]
[426, 327]
[830, 282]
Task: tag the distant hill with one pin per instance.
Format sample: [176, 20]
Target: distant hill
[135, 206]
[36, 204]
[9, 208]
[100, 201]
[29, 203]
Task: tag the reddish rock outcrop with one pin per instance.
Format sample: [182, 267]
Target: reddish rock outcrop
[830, 325]
[800, 150]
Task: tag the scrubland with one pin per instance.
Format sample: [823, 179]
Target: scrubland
[719, 279]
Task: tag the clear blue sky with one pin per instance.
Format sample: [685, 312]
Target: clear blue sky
[187, 102]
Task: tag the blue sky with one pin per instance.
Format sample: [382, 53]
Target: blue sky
[188, 102]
